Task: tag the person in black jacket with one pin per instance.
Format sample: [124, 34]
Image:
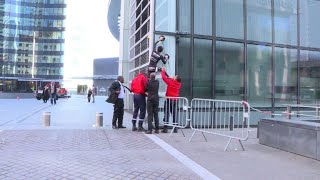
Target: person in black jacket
[117, 89]
[152, 88]
[156, 56]
[53, 93]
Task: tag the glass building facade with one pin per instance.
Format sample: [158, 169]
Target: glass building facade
[266, 52]
[31, 42]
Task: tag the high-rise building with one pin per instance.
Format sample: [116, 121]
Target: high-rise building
[31, 42]
[266, 52]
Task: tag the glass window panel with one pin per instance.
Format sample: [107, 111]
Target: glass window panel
[202, 69]
[229, 19]
[285, 21]
[309, 23]
[203, 17]
[259, 75]
[165, 15]
[285, 76]
[259, 22]
[309, 67]
[229, 79]
[184, 15]
[184, 66]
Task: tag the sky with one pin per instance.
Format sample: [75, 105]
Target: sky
[87, 37]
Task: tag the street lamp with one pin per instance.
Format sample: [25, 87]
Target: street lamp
[33, 53]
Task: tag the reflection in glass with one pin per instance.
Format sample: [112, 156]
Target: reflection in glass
[309, 76]
[165, 13]
[309, 26]
[285, 21]
[202, 69]
[229, 79]
[285, 76]
[184, 16]
[229, 19]
[259, 75]
[184, 66]
[203, 17]
[259, 21]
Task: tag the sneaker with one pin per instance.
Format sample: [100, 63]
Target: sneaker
[175, 130]
[122, 127]
[114, 127]
[164, 131]
[141, 129]
[134, 128]
[149, 132]
[156, 131]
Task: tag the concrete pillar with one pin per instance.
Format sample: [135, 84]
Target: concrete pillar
[46, 117]
[99, 119]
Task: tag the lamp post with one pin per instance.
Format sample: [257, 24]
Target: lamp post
[33, 53]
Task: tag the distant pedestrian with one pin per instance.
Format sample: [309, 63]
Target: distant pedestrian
[89, 94]
[139, 99]
[117, 94]
[53, 93]
[94, 92]
[152, 89]
[170, 105]
[45, 94]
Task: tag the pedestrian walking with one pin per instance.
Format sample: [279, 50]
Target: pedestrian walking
[117, 94]
[152, 89]
[170, 105]
[53, 93]
[139, 99]
[45, 94]
[89, 94]
[94, 92]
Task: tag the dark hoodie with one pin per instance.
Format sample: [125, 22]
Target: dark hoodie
[152, 88]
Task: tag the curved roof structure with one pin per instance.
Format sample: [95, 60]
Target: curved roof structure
[113, 16]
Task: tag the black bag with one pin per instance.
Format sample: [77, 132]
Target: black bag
[112, 98]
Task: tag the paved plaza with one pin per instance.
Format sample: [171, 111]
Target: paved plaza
[73, 148]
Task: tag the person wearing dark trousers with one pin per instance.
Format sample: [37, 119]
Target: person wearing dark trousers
[152, 89]
[170, 105]
[94, 92]
[139, 99]
[46, 94]
[53, 93]
[89, 94]
[118, 89]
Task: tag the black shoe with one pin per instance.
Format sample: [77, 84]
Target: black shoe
[156, 131]
[164, 131]
[175, 130]
[122, 127]
[114, 127]
[149, 132]
[134, 128]
[141, 129]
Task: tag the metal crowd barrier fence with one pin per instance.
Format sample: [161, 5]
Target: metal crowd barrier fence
[229, 119]
[303, 110]
[173, 112]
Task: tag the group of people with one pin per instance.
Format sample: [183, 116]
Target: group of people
[146, 86]
[50, 91]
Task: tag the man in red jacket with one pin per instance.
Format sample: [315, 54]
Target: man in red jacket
[139, 99]
[170, 105]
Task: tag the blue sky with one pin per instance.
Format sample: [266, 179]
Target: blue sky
[87, 36]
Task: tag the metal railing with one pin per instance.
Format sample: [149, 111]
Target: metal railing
[302, 110]
[229, 119]
[173, 112]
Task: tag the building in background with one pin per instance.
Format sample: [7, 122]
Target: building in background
[266, 52]
[105, 72]
[31, 43]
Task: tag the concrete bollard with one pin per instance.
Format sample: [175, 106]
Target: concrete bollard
[46, 117]
[99, 119]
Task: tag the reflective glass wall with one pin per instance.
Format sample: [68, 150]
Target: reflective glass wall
[32, 39]
[266, 52]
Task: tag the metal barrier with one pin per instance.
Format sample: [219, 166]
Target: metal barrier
[303, 110]
[230, 119]
[173, 111]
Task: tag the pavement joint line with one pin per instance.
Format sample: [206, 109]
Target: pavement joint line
[199, 170]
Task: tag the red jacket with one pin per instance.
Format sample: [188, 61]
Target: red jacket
[173, 87]
[138, 84]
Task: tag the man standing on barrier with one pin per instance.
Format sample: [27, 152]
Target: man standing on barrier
[139, 99]
[170, 105]
[156, 57]
[152, 89]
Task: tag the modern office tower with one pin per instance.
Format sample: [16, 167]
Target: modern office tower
[31, 43]
[266, 52]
